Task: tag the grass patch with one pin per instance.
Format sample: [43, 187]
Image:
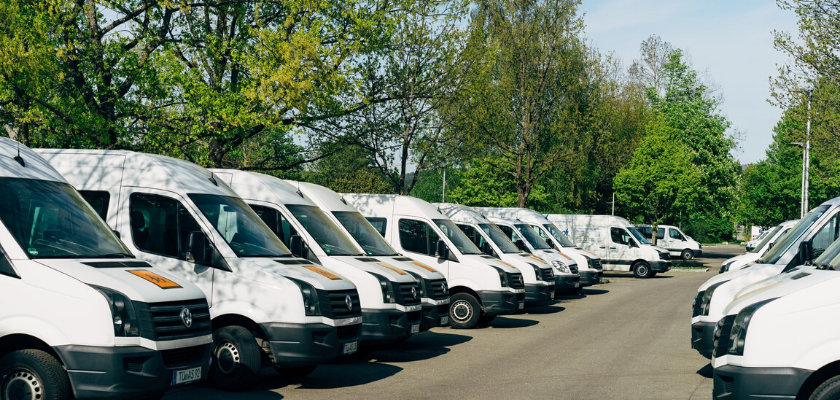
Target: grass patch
[691, 264]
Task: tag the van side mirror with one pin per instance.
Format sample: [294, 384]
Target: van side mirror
[521, 245]
[116, 232]
[486, 248]
[551, 243]
[770, 246]
[296, 246]
[197, 247]
[442, 250]
[632, 243]
[805, 253]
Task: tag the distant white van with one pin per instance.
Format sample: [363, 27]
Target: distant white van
[265, 304]
[672, 238]
[773, 236]
[616, 241]
[480, 286]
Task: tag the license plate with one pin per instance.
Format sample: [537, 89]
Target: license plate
[521, 306]
[415, 329]
[186, 375]
[444, 320]
[350, 348]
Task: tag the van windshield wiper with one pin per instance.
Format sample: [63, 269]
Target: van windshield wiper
[116, 255]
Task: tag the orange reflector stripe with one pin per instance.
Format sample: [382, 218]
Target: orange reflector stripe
[152, 277]
[397, 270]
[538, 259]
[502, 262]
[424, 266]
[322, 272]
[567, 257]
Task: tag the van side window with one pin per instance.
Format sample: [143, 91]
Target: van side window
[541, 231]
[675, 234]
[379, 224]
[160, 225]
[825, 236]
[6, 265]
[98, 200]
[660, 233]
[620, 236]
[473, 234]
[418, 237]
[276, 221]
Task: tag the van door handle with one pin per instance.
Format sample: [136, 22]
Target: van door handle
[602, 247]
[612, 248]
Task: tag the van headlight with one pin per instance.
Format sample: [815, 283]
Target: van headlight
[560, 266]
[123, 316]
[503, 278]
[537, 272]
[738, 334]
[388, 295]
[706, 301]
[311, 301]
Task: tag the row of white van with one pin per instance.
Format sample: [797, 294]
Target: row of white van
[235, 271]
[767, 320]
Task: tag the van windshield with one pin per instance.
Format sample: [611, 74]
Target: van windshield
[241, 228]
[558, 234]
[499, 238]
[51, 220]
[829, 258]
[789, 238]
[457, 236]
[365, 234]
[766, 240]
[532, 237]
[323, 230]
[636, 234]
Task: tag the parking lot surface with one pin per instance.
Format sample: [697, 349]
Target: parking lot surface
[628, 339]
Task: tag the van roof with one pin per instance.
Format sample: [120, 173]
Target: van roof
[524, 214]
[35, 166]
[385, 205]
[261, 187]
[107, 168]
[459, 213]
[323, 197]
[601, 218]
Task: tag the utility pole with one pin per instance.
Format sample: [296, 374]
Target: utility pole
[443, 195]
[807, 167]
[613, 204]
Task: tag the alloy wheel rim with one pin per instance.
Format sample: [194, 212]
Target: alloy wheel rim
[22, 385]
[461, 310]
[227, 358]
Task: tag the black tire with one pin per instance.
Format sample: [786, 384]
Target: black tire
[295, 372]
[486, 319]
[33, 374]
[828, 390]
[464, 311]
[236, 359]
[687, 254]
[642, 270]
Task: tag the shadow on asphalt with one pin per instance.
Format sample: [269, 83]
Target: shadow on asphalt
[269, 380]
[419, 347]
[506, 323]
[719, 255]
[542, 309]
[706, 371]
[334, 376]
[593, 291]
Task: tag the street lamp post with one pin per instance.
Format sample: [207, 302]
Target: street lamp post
[806, 160]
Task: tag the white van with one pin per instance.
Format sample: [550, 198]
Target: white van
[264, 303]
[480, 287]
[80, 316]
[433, 289]
[588, 265]
[738, 262]
[616, 241]
[674, 240]
[539, 275]
[757, 239]
[754, 356]
[806, 241]
[390, 297]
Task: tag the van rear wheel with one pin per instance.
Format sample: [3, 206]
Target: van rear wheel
[236, 359]
[687, 254]
[642, 270]
[464, 311]
[33, 374]
[829, 390]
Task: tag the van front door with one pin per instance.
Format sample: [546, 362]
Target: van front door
[619, 248]
[419, 240]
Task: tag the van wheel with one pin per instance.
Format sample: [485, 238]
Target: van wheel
[687, 254]
[33, 374]
[829, 390]
[295, 372]
[464, 311]
[236, 358]
[642, 270]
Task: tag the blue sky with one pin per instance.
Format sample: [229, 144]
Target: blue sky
[731, 40]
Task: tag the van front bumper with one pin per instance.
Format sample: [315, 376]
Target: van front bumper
[538, 293]
[590, 277]
[434, 315]
[498, 303]
[298, 345]
[128, 372]
[660, 266]
[734, 383]
[702, 338]
[388, 326]
[566, 284]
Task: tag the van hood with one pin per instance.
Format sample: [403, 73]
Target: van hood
[492, 261]
[378, 266]
[553, 255]
[746, 256]
[267, 269]
[797, 279]
[412, 265]
[136, 279]
[731, 275]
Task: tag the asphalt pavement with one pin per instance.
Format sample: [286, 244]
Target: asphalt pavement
[629, 339]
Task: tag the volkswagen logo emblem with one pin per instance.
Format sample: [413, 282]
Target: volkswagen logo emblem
[186, 317]
[349, 301]
[414, 292]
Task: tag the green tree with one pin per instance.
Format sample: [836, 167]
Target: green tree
[660, 182]
[483, 185]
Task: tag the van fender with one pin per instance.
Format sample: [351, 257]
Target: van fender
[280, 312]
[42, 330]
[819, 356]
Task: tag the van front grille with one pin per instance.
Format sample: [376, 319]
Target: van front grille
[547, 274]
[439, 289]
[334, 303]
[170, 321]
[722, 331]
[697, 306]
[408, 293]
[516, 281]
